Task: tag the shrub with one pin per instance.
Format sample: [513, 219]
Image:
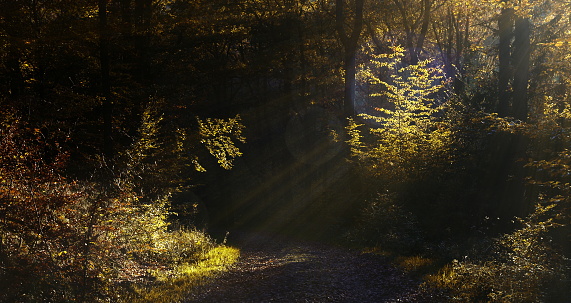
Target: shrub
[65, 240]
[384, 223]
[523, 265]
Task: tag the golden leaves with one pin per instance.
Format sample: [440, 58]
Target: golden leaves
[409, 135]
[218, 136]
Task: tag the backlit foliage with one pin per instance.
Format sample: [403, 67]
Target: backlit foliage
[42, 220]
[408, 134]
[65, 240]
[523, 266]
[173, 286]
[218, 135]
[527, 264]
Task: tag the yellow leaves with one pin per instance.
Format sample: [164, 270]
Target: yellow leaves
[558, 43]
[407, 135]
[146, 141]
[516, 272]
[197, 165]
[354, 136]
[91, 13]
[218, 136]
[555, 114]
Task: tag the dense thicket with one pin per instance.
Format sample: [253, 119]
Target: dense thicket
[415, 125]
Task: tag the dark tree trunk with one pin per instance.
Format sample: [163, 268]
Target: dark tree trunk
[427, 4]
[14, 72]
[143, 13]
[107, 107]
[520, 62]
[505, 24]
[302, 58]
[521, 55]
[350, 44]
[462, 42]
[350, 82]
[509, 179]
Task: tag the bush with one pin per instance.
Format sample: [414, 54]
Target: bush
[65, 240]
[521, 269]
[384, 223]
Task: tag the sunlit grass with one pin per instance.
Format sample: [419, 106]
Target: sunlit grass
[418, 265]
[441, 278]
[414, 263]
[173, 286]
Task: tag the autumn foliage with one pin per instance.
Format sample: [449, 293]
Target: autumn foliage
[65, 240]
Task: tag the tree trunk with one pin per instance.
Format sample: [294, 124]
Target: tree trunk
[143, 14]
[14, 72]
[302, 58]
[350, 82]
[107, 108]
[427, 4]
[350, 44]
[521, 55]
[505, 24]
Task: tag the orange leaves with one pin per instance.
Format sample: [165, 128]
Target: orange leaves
[36, 204]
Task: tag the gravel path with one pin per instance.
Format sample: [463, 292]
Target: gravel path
[271, 270]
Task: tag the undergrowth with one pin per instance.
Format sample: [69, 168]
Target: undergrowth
[174, 285]
[523, 267]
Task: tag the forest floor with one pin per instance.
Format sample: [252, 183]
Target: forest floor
[273, 269]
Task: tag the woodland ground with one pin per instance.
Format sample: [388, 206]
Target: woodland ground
[275, 269]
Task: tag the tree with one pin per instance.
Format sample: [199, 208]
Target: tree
[107, 111]
[521, 61]
[350, 46]
[409, 134]
[505, 23]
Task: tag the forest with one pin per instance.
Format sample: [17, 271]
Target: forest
[138, 136]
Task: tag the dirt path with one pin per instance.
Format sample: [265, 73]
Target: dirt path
[271, 270]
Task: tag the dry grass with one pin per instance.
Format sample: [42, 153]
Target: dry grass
[175, 285]
[414, 263]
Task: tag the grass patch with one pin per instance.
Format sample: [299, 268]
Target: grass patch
[175, 285]
[414, 263]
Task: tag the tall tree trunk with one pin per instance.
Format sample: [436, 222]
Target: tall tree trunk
[143, 13]
[126, 20]
[14, 72]
[462, 42]
[350, 82]
[350, 44]
[521, 56]
[520, 62]
[427, 4]
[302, 58]
[505, 24]
[509, 179]
[107, 109]
[141, 72]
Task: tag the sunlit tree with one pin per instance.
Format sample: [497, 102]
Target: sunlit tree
[408, 134]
